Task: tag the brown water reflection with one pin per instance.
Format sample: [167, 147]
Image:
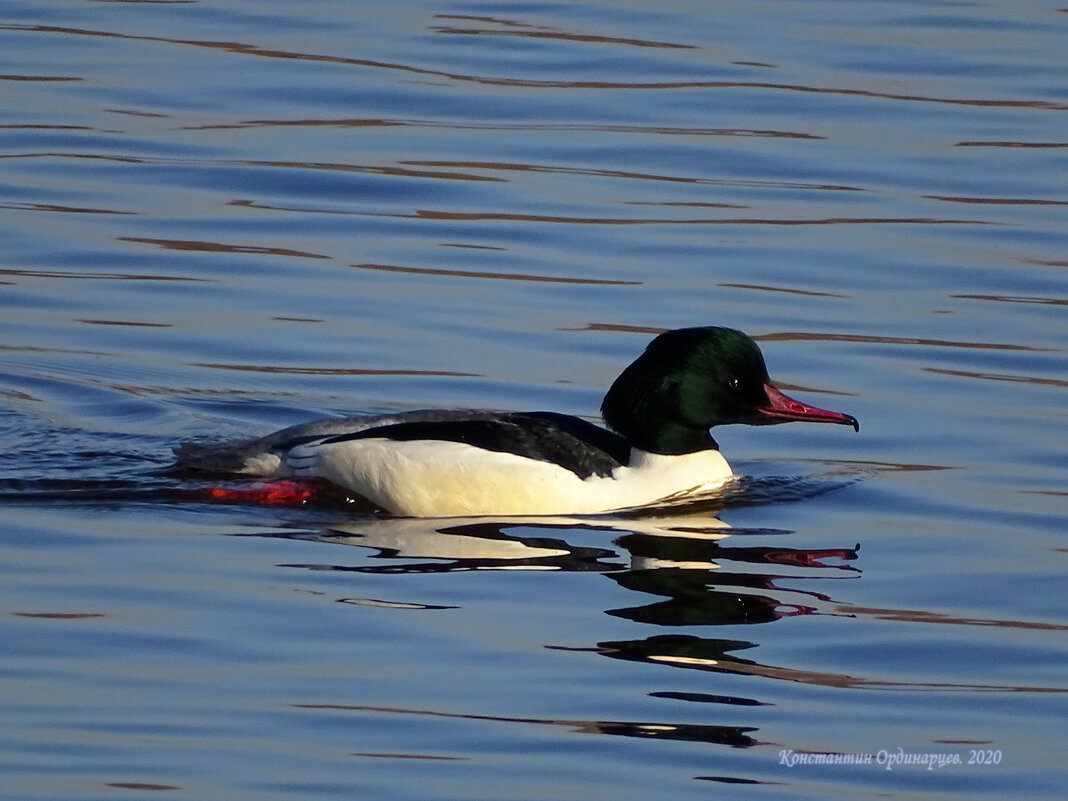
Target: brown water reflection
[686, 204]
[469, 246]
[63, 209]
[219, 247]
[99, 276]
[884, 466]
[551, 169]
[798, 336]
[1013, 144]
[290, 370]
[803, 292]
[398, 172]
[923, 616]
[736, 736]
[143, 785]
[290, 165]
[487, 216]
[129, 323]
[129, 112]
[998, 201]
[553, 279]
[239, 48]
[59, 155]
[44, 78]
[523, 30]
[483, 216]
[35, 126]
[1013, 379]
[395, 755]
[1015, 299]
[531, 127]
[811, 336]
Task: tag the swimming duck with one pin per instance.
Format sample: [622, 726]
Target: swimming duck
[448, 463]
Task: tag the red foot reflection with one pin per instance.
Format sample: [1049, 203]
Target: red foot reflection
[275, 493]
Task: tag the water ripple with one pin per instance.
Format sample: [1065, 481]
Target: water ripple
[244, 49]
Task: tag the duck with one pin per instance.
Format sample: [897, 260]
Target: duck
[655, 447]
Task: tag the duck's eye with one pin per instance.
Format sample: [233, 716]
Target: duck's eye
[733, 383]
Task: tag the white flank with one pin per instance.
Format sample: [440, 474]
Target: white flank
[436, 478]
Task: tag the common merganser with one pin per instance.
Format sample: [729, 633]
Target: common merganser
[449, 463]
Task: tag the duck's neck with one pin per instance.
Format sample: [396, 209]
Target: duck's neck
[645, 407]
[669, 439]
[649, 429]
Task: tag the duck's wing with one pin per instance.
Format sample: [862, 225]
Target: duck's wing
[570, 442]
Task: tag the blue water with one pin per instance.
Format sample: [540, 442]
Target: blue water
[223, 218]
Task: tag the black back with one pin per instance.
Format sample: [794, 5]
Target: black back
[575, 444]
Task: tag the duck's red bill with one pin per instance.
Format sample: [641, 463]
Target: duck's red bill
[783, 409]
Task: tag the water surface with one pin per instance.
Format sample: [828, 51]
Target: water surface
[223, 218]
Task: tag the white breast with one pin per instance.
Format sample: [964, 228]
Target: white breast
[434, 478]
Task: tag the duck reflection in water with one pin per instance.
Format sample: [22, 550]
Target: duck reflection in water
[694, 561]
[701, 571]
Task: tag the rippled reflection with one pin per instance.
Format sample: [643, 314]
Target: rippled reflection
[552, 279]
[700, 572]
[737, 736]
[464, 544]
[245, 49]
[524, 30]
